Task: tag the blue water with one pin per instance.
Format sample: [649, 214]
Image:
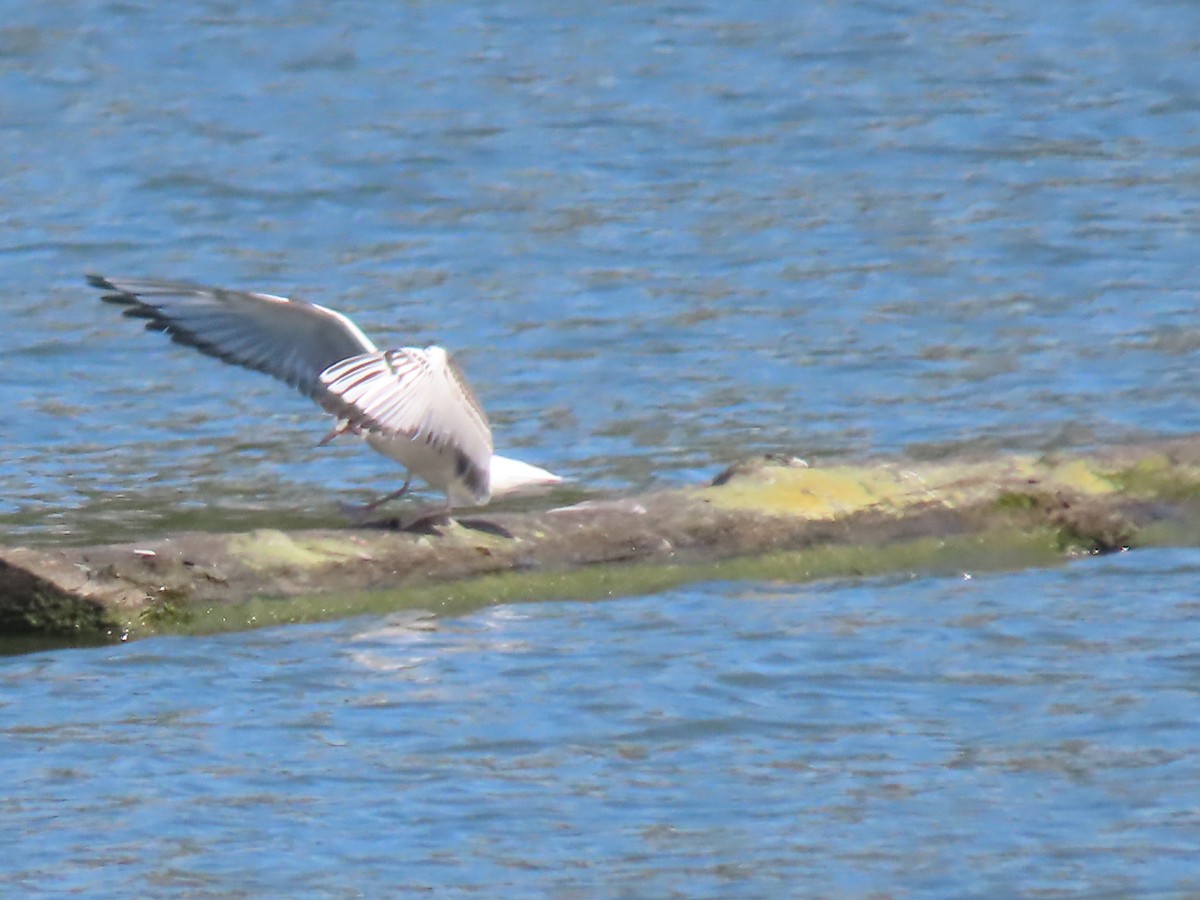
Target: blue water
[1001, 735]
[661, 236]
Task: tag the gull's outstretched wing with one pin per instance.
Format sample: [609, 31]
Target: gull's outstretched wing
[291, 340]
[418, 394]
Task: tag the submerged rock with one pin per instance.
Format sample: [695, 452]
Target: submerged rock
[770, 517]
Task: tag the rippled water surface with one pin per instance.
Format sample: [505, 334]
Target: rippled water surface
[990, 736]
[661, 235]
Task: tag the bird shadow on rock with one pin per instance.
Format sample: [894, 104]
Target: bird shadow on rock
[433, 525]
[487, 527]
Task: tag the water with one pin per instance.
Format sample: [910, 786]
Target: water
[661, 236]
[998, 735]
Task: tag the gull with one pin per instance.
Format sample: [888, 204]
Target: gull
[411, 404]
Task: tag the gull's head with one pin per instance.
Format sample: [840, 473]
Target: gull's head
[511, 476]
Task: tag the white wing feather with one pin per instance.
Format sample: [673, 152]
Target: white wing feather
[291, 340]
[418, 394]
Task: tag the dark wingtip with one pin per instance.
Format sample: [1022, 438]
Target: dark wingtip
[122, 297]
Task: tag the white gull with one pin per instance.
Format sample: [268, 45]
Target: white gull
[413, 405]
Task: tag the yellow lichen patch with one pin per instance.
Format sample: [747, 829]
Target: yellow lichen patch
[965, 483]
[827, 493]
[823, 493]
[1078, 475]
[270, 549]
[962, 484]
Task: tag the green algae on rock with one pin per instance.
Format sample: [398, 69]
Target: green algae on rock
[772, 517]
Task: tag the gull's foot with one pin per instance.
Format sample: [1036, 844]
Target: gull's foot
[422, 523]
[486, 527]
[426, 522]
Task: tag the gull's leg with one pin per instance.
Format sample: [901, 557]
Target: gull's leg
[359, 512]
[394, 495]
